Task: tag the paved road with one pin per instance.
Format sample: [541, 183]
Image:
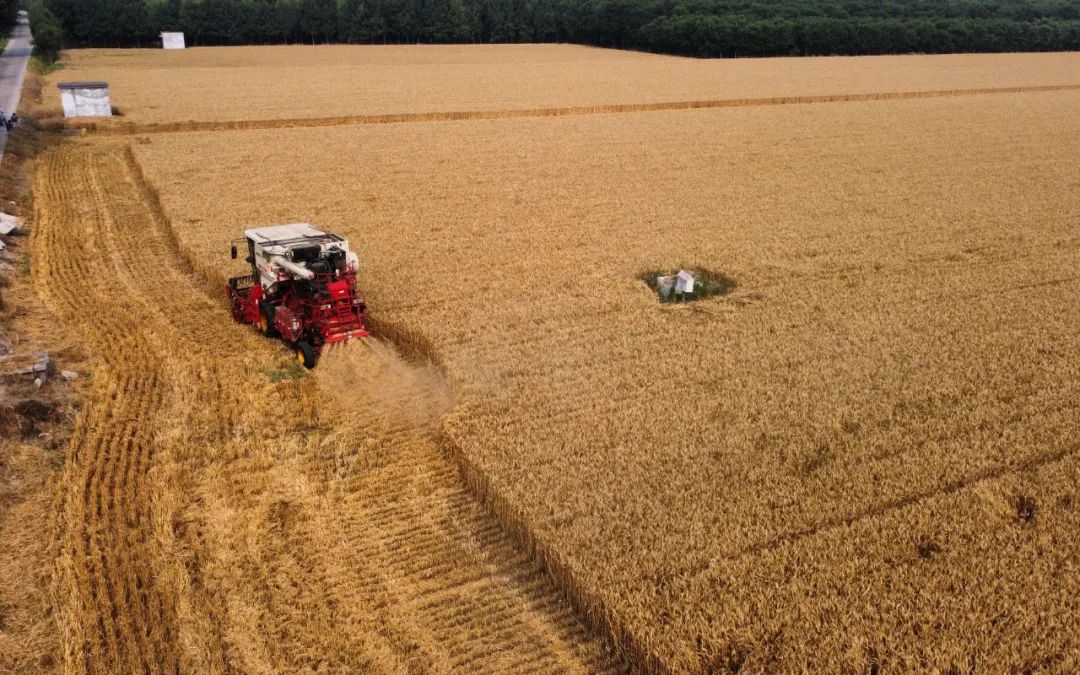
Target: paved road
[12, 70]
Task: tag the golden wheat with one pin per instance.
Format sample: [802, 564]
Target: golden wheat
[287, 83]
[866, 454]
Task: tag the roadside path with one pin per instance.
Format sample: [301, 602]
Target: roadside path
[13, 65]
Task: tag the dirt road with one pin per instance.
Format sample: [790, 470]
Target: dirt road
[13, 63]
[220, 510]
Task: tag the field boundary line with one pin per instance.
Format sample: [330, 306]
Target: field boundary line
[130, 128]
[153, 202]
[594, 610]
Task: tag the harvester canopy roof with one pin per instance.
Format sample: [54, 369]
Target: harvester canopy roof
[289, 234]
[83, 85]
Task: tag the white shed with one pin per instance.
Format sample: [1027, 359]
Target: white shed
[171, 40]
[85, 99]
[684, 282]
[665, 285]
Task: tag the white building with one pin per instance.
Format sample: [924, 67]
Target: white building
[171, 40]
[684, 282]
[85, 99]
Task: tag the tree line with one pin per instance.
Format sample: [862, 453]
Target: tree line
[8, 9]
[707, 28]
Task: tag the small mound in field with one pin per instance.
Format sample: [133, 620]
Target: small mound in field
[22, 420]
[35, 410]
[707, 284]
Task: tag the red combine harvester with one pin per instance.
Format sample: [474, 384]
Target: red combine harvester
[302, 288]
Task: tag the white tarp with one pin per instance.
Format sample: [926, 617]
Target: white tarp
[86, 102]
[172, 40]
[8, 224]
[665, 285]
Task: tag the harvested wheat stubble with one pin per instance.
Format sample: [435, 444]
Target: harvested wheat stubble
[219, 512]
[28, 637]
[224, 84]
[820, 470]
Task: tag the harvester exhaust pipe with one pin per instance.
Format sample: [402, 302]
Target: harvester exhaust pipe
[299, 271]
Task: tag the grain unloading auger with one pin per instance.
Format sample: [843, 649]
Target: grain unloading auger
[302, 288]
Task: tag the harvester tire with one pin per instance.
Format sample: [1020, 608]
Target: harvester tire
[266, 320]
[305, 354]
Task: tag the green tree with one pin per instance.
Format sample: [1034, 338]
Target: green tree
[351, 21]
[8, 11]
[163, 15]
[45, 26]
[459, 22]
[318, 20]
[692, 27]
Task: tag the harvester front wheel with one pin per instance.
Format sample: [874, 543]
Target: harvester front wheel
[305, 355]
[266, 320]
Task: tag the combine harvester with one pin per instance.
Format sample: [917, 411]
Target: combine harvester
[302, 288]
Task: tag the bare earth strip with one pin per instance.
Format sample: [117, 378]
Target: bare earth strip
[219, 511]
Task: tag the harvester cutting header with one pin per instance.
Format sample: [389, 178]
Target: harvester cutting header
[302, 288]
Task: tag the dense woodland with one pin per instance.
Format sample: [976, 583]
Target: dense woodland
[711, 28]
[7, 12]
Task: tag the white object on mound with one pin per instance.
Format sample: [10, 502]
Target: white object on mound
[8, 224]
[664, 285]
[684, 282]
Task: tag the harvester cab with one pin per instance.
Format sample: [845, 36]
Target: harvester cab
[302, 288]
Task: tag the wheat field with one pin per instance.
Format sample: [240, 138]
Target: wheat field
[753, 477]
[230, 84]
[864, 457]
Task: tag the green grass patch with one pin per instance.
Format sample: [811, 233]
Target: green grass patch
[707, 284]
[287, 374]
[44, 67]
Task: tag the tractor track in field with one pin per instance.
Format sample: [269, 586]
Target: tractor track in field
[967, 482]
[113, 127]
[217, 514]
